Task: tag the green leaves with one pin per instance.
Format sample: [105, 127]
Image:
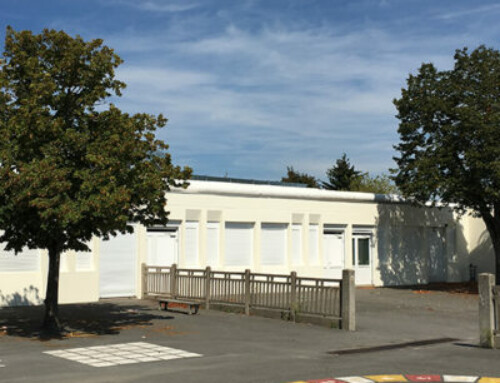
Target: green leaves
[70, 170]
[342, 176]
[294, 176]
[449, 132]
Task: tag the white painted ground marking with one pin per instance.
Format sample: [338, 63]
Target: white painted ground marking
[123, 353]
[459, 378]
[356, 379]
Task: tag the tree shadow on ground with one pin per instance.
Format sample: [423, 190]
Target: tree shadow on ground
[79, 320]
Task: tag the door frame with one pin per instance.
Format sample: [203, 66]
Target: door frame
[363, 233]
[335, 230]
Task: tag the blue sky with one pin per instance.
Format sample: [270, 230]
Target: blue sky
[253, 86]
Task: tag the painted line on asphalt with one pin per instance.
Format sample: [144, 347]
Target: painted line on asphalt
[400, 378]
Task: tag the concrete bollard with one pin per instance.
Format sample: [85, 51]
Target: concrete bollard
[348, 300]
[486, 311]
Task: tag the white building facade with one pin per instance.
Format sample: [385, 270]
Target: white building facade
[268, 229]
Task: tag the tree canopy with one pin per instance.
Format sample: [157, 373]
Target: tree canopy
[380, 184]
[449, 137]
[71, 165]
[342, 176]
[294, 176]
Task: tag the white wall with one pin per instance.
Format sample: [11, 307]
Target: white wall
[28, 287]
[400, 251]
[400, 248]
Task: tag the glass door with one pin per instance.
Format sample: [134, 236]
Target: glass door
[362, 259]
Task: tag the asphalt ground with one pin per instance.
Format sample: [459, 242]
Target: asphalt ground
[237, 348]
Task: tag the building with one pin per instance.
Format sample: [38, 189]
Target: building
[267, 228]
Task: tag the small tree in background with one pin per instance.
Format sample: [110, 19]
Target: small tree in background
[449, 130]
[342, 176]
[381, 184]
[70, 171]
[300, 178]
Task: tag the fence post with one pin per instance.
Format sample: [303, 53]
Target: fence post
[208, 272]
[348, 300]
[247, 292]
[486, 311]
[144, 281]
[173, 280]
[293, 295]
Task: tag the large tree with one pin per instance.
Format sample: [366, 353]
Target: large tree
[449, 129]
[342, 176]
[71, 165]
[294, 176]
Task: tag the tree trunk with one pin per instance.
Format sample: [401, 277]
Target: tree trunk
[496, 248]
[51, 321]
[492, 222]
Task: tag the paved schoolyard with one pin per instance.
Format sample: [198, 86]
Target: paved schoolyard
[109, 340]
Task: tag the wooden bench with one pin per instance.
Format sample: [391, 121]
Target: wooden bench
[192, 307]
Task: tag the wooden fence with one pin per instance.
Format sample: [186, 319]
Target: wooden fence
[313, 297]
[489, 311]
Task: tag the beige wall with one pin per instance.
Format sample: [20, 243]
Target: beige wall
[401, 236]
[479, 246]
[26, 288]
[391, 224]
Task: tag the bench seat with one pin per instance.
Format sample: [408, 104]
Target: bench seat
[192, 307]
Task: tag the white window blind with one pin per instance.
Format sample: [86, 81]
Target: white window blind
[117, 269]
[313, 244]
[191, 243]
[27, 260]
[213, 231]
[238, 243]
[297, 244]
[273, 243]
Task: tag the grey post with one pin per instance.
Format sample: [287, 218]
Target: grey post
[173, 280]
[348, 300]
[293, 295]
[247, 292]
[208, 272]
[144, 281]
[486, 311]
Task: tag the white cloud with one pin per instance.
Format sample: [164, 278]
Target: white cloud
[159, 6]
[278, 96]
[486, 9]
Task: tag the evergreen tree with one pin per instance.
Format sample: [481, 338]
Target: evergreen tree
[294, 176]
[342, 176]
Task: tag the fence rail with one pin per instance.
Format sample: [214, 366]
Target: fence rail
[316, 297]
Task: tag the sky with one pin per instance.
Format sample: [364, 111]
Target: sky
[252, 86]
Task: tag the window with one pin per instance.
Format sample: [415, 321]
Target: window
[213, 229]
[296, 244]
[238, 243]
[361, 250]
[27, 260]
[273, 243]
[313, 244]
[84, 259]
[191, 243]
